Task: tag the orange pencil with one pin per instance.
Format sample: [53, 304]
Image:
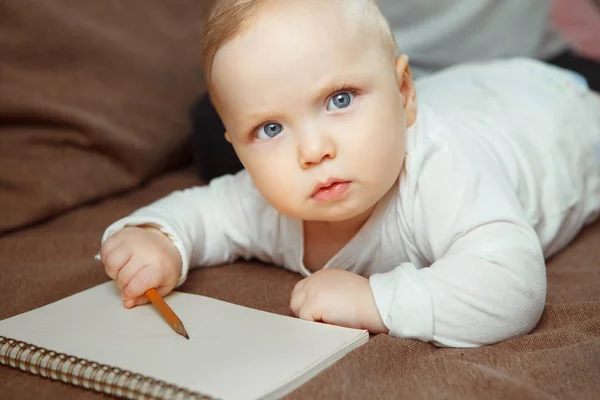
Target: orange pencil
[163, 308]
[168, 314]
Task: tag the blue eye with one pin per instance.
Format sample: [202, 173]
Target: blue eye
[340, 100]
[269, 130]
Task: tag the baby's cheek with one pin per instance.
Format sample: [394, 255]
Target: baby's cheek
[388, 148]
[386, 161]
[279, 186]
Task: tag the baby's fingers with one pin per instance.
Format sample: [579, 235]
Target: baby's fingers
[297, 301]
[115, 259]
[145, 279]
[310, 313]
[126, 274]
[110, 244]
[138, 301]
[299, 286]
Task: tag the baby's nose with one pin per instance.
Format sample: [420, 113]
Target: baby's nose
[314, 148]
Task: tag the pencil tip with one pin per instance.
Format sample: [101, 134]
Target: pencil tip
[178, 327]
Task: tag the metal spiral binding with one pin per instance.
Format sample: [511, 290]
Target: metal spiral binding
[88, 374]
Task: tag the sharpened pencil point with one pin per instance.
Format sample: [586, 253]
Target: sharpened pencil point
[178, 327]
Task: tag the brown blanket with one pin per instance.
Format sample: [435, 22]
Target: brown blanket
[559, 360]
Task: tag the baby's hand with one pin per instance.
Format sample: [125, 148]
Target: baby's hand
[141, 258]
[337, 297]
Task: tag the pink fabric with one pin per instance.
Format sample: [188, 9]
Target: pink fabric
[579, 21]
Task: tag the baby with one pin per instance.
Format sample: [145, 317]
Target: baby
[427, 219]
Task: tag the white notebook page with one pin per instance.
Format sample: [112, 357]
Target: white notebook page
[234, 352]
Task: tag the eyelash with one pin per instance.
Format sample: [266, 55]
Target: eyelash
[343, 88]
[346, 87]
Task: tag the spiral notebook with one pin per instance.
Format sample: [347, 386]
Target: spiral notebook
[234, 352]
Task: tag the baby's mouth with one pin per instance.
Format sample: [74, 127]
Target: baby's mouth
[330, 189]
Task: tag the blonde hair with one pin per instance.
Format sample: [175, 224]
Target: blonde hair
[228, 18]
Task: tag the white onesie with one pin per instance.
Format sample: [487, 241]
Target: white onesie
[502, 168]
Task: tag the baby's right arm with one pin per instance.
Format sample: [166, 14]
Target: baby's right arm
[206, 225]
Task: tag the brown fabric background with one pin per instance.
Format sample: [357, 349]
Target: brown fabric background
[559, 360]
[94, 98]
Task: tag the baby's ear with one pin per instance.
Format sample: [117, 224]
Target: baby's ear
[227, 137]
[407, 88]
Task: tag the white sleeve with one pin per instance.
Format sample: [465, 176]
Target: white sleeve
[209, 225]
[487, 280]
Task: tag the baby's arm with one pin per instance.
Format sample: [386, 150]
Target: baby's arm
[207, 225]
[487, 280]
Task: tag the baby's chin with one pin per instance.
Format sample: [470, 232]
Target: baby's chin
[329, 213]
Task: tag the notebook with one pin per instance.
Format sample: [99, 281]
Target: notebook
[234, 352]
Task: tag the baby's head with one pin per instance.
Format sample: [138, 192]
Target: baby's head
[311, 94]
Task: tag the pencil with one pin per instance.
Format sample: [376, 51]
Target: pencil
[166, 311]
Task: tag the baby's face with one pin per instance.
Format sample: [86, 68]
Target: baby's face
[313, 110]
